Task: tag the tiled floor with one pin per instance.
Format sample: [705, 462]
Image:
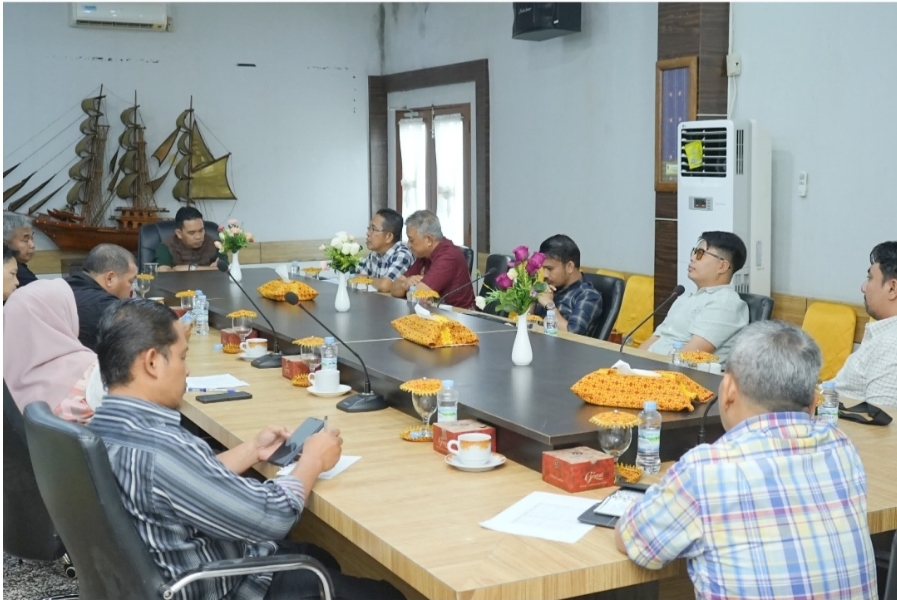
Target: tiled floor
[33, 581]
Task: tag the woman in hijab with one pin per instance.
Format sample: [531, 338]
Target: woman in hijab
[42, 357]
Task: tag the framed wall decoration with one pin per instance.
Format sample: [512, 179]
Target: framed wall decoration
[676, 101]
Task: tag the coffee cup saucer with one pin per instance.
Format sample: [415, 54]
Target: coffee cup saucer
[339, 392]
[244, 356]
[496, 460]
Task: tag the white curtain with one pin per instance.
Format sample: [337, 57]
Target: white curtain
[448, 131]
[413, 145]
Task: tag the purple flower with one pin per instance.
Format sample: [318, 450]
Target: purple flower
[503, 281]
[521, 253]
[512, 264]
[536, 260]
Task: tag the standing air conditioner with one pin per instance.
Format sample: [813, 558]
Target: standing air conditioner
[150, 16]
[725, 184]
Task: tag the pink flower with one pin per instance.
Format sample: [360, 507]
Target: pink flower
[521, 253]
[249, 238]
[512, 264]
[218, 245]
[232, 222]
[221, 228]
[503, 281]
[537, 260]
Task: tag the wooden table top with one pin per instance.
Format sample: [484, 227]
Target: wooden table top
[402, 505]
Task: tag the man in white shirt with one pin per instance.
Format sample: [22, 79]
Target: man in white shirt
[870, 373]
[707, 319]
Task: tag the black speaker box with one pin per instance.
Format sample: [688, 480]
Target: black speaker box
[537, 21]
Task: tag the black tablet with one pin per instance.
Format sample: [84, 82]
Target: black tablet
[607, 512]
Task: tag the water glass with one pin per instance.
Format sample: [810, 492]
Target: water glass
[150, 268]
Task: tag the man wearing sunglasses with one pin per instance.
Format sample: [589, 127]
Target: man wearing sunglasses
[708, 318]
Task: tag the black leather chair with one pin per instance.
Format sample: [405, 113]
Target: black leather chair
[468, 254]
[611, 290]
[759, 307]
[152, 234]
[890, 563]
[498, 262]
[82, 496]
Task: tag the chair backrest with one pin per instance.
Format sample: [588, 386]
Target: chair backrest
[759, 307]
[82, 496]
[499, 262]
[891, 582]
[468, 254]
[152, 234]
[832, 326]
[611, 290]
[28, 531]
[638, 302]
[611, 273]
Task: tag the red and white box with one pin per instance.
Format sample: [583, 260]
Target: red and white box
[290, 366]
[450, 430]
[578, 469]
[229, 337]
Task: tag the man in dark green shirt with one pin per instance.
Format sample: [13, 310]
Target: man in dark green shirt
[190, 248]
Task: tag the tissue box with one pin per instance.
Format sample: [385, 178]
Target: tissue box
[229, 337]
[450, 430]
[578, 469]
[290, 366]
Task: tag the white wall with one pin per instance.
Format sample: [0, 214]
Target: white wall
[821, 78]
[296, 124]
[572, 121]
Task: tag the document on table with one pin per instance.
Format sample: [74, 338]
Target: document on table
[342, 464]
[543, 515]
[214, 382]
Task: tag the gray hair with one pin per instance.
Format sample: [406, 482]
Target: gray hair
[425, 223]
[108, 257]
[12, 222]
[776, 365]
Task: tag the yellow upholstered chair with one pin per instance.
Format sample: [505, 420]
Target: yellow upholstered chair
[638, 301]
[832, 326]
[611, 273]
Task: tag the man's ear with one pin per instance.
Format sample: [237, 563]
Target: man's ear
[570, 268]
[891, 289]
[728, 392]
[179, 233]
[151, 361]
[107, 280]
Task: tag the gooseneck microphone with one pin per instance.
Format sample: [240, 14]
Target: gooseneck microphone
[704, 418]
[461, 287]
[365, 401]
[678, 291]
[268, 361]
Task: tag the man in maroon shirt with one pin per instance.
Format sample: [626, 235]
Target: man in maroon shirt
[439, 266]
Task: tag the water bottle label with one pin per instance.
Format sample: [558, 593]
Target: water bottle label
[551, 330]
[447, 413]
[828, 413]
[328, 363]
[649, 441]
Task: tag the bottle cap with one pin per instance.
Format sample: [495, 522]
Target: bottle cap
[197, 292]
[329, 340]
[650, 405]
[828, 385]
[678, 345]
[219, 347]
[448, 384]
[550, 313]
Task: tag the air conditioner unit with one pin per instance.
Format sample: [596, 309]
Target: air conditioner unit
[151, 16]
[728, 189]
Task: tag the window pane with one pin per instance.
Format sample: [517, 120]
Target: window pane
[413, 149]
[448, 131]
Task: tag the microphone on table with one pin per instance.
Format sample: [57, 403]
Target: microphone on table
[365, 401]
[678, 291]
[268, 361]
[704, 418]
[439, 300]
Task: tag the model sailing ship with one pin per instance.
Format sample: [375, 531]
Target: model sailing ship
[80, 225]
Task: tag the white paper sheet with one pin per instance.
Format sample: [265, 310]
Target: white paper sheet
[543, 515]
[214, 382]
[284, 272]
[342, 464]
[420, 311]
[623, 368]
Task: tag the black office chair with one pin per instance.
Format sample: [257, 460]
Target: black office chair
[82, 496]
[498, 262]
[889, 562]
[468, 254]
[611, 290]
[152, 234]
[759, 307]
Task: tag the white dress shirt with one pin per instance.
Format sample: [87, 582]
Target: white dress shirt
[870, 373]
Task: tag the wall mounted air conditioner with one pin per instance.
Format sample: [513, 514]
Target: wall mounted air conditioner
[150, 16]
[731, 190]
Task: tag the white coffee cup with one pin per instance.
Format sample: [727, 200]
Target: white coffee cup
[255, 347]
[326, 380]
[472, 448]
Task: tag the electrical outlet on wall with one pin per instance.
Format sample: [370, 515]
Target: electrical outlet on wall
[802, 184]
[733, 64]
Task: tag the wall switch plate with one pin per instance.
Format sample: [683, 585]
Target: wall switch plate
[733, 64]
[802, 184]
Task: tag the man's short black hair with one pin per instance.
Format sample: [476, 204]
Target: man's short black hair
[186, 213]
[128, 329]
[728, 245]
[561, 248]
[108, 257]
[885, 254]
[392, 223]
[9, 253]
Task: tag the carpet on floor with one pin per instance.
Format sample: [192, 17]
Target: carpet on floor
[26, 580]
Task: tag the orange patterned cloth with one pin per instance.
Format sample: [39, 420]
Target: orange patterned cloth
[628, 473]
[276, 290]
[697, 357]
[438, 333]
[231, 349]
[301, 380]
[672, 391]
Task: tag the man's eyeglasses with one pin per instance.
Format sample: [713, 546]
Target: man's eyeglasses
[371, 229]
[699, 253]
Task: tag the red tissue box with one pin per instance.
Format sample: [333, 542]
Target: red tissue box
[578, 469]
[229, 337]
[450, 430]
[290, 366]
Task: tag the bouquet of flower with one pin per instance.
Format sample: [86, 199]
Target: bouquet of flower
[344, 252]
[232, 238]
[520, 286]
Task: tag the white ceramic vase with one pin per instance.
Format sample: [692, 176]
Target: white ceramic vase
[342, 294]
[235, 269]
[522, 353]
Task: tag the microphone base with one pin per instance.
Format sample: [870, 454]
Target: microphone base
[268, 361]
[362, 402]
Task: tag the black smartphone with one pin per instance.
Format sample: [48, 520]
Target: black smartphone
[224, 397]
[293, 446]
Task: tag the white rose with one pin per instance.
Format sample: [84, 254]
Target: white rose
[346, 249]
[323, 247]
[356, 247]
[512, 274]
[221, 236]
[336, 242]
[351, 238]
[480, 302]
[343, 236]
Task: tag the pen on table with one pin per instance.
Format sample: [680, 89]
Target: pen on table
[211, 390]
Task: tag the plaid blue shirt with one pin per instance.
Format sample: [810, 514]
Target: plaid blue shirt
[579, 303]
[391, 264]
[776, 508]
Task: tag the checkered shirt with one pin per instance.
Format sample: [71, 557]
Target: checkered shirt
[870, 373]
[391, 264]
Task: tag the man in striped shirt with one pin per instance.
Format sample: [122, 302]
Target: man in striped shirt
[776, 508]
[189, 505]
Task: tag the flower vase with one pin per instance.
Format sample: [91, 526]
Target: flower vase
[342, 294]
[235, 269]
[522, 354]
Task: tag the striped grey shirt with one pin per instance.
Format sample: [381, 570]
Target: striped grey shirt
[187, 506]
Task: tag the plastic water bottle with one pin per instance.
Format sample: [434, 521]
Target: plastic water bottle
[551, 323]
[648, 456]
[410, 295]
[329, 354]
[447, 402]
[201, 308]
[294, 270]
[674, 354]
[828, 410]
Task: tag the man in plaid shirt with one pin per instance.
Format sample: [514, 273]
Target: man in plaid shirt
[389, 257]
[575, 302]
[776, 508]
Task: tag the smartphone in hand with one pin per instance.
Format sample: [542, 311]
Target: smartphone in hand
[293, 446]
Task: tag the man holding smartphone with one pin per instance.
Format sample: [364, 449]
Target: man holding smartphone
[189, 505]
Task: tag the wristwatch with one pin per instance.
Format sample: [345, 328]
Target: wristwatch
[192, 267]
[550, 306]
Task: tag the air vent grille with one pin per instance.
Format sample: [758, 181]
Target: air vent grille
[714, 142]
[739, 152]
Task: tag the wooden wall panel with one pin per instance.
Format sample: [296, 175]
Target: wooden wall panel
[664, 263]
[665, 205]
[678, 29]
[714, 45]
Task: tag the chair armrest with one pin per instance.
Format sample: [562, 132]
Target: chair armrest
[251, 566]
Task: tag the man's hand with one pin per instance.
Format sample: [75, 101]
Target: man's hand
[324, 447]
[415, 280]
[547, 296]
[268, 440]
